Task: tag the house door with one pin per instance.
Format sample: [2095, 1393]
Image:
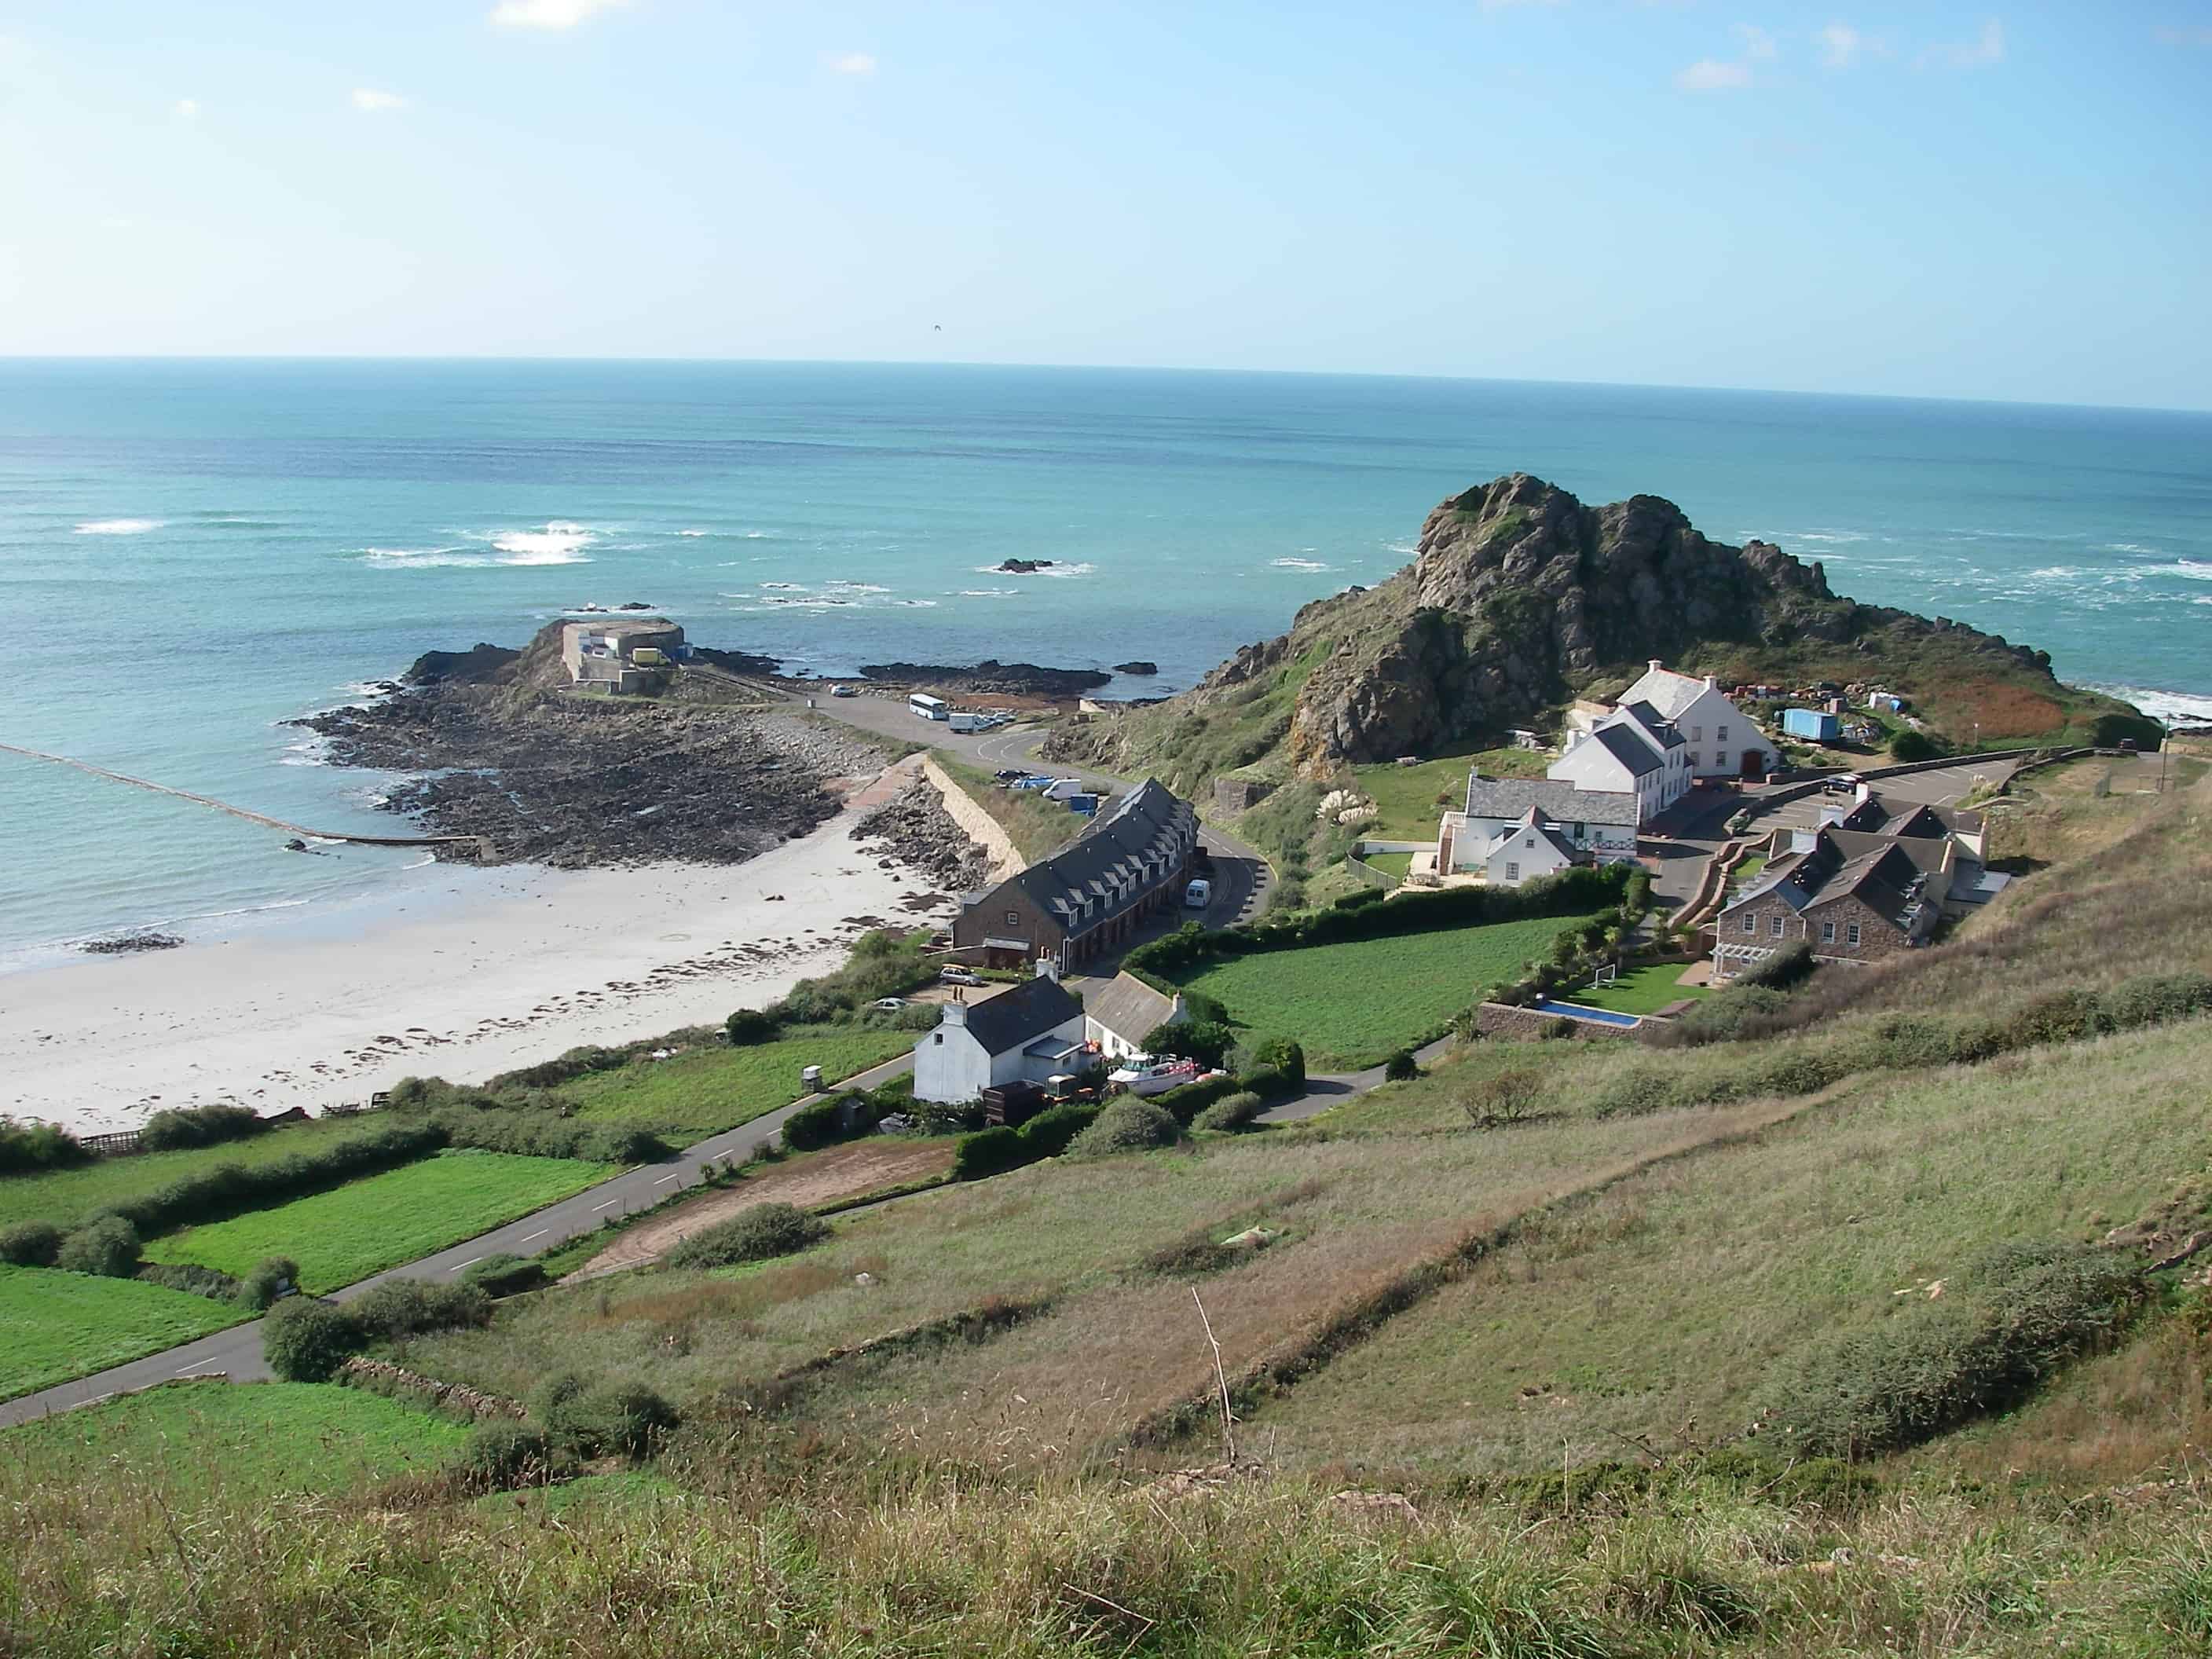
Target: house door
[1754, 762]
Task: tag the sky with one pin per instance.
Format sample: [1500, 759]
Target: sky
[1933, 200]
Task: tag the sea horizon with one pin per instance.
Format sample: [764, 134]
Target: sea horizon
[252, 539]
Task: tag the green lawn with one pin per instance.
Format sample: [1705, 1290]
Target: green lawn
[66, 1196]
[56, 1325]
[267, 1437]
[718, 1088]
[1391, 864]
[1750, 867]
[1351, 1004]
[1640, 990]
[1406, 797]
[365, 1226]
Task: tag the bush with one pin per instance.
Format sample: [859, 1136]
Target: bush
[2152, 998]
[107, 1247]
[270, 1277]
[1126, 1125]
[1050, 1132]
[825, 1123]
[1282, 1055]
[1507, 1097]
[503, 1454]
[1202, 1040]
[190, 1280]
[1742, 1010]
[1401, 1066]
[1236, 1111]
[750, 1025]
[504, 1274]
[27, 1148]
[407, 1307]
[30, 1244]
[199, 1126]
[306, 1340]
[615, 1419]
[2004, 1326]
[988, 1152]
[1792, 965]
[752, 1235]
[1908, 746]
[1365, 895]
[486, 1124]
[1633, 1093]
[1186, 1103]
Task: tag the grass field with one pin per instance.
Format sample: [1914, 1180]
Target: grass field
[55, 1326]
[1391, 864]
[709, 1089]
[363, 1227]
[1350, 1005]
[1638, 991]
[263, 1439]
[1406, 798]
[65, 1196]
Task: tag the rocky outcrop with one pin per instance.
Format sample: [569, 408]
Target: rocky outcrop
[1013, 679]
[1518, 598]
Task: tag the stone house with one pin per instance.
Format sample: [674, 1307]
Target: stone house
[1092, 895]
[1025, 1035]
[1850, 907]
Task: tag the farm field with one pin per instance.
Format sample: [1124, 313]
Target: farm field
[716, 1088]
[1351, 1004]
[1406, 797]
[65, 1197]
[257, 1438]
[346, 1234]
[1640, 990]
[56, 1325]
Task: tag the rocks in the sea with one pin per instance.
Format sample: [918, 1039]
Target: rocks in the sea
[1139, 667]
[1024, 567]
[1016, 679]
[635, 604]
[480, 662]
[117, 944]
[913, 828]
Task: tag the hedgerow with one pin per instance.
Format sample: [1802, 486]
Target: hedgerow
[752, 1235]
[28, 1148]
[199, 1126]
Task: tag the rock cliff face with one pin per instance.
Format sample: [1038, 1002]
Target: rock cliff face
[1519, 598]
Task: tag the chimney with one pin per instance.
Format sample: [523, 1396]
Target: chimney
[955, 1012]
[1046, 968]
[1712, 682]
[1657, 664]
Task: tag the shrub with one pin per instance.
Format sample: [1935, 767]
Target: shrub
[1365, 895]
[748, 1026]
[1187, 1103]
[1202, 1040]
[1126, 1125]
[1282, 1055]
[2004, 1324]
[845, 1117]
[199, 1126]
[1401, 1066]
[504, 1274]
[306, 1340]
[752, 1235]
[30, 1244]
[1264, 1081]
[1792, 965]
[1507, 1097]
[2150, 999]
[270, 1277]
[493, 1126]
[613, 1419]
[193, 1280]
[2056, 1017]
[28, 1147]
[1633, 1093]
[407, 1307]
[1049, 1133]
[1236, 1111]
[1742, 1010]
[1908, 746]
[988, 1152]
[503, 1454]
[106, 1247]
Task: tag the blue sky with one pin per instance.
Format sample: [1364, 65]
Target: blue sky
[2012, 203]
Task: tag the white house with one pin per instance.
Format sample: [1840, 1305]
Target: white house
[1632, 751]
[1722, 739]
[1027, 1034]
[1527, 850]
[1596, 825]
[1120, 1014]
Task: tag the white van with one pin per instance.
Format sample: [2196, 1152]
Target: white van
[1198, 895]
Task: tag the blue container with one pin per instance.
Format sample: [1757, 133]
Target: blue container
[1815, 724]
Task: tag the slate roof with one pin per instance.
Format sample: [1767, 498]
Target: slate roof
[1012, 1019]
[1660, 726]
[1556, 801]
[1883, 878]
[1124, 854]
[1666, 691]
[1533, 825]
[1636, 756]
[1128, 1007]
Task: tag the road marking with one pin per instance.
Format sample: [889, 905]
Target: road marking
[609, 1205]
[470, 1262]
[189, 1370]
[540, 1233]
[664, 1179]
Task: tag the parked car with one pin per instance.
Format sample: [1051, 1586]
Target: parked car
[843, 691]
[1198, 895]
[953, 974]
[1010, 776]
[889, 1004]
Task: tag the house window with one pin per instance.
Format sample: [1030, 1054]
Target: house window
[1581, 832]
[940, 1039]
[1722, 733]
[1013, 918]
[1777, 929]
[1512, 871]
[1529, 845]
[1720, 757]
[1827, 932]
[1854, 932]
[1697, 735]
[1750, 923]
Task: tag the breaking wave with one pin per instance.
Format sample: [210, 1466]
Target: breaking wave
[117, 526]
[558, 543]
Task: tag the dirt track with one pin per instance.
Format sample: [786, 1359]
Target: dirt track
[865, 1166]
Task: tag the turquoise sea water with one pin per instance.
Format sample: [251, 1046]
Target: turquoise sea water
[192, 553]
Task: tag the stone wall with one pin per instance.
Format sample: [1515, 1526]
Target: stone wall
[1502, 1019]
[381, 1376]
[980, 827]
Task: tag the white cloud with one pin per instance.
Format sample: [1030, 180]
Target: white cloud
[1987, 47]
[369, 101]
[188, 107]
[1714, 75]
[549, 13]
[850, 62]
[1757, 42]
[1840, 45]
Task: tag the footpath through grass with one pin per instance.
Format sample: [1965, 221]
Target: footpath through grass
[266, 1438]
[346, 1234]
[56, 1325]
[65, 1197]
[711, 1089]
[1351, 1004]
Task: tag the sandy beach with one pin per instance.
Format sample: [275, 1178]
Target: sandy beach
[476, 972]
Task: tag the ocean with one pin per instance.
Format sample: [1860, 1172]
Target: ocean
[193, 553]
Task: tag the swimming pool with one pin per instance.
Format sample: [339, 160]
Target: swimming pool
[1595, 1016]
